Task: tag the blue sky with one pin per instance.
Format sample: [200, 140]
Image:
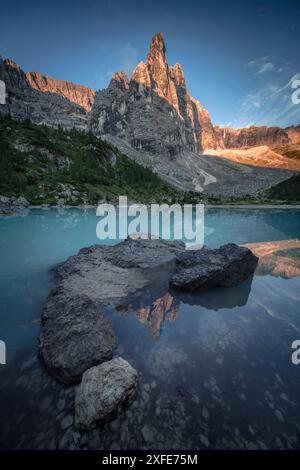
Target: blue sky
[239, 58]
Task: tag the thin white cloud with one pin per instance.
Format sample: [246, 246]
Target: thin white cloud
[257, 62]
[269, 105]
[261, 65]
[267, 67]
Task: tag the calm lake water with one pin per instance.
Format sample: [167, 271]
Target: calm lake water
[215, 369]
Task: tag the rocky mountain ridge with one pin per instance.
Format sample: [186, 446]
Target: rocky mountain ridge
[252, 136]
[78, 94]
[153, 118]
[43, 100]
[293, 134]
[154, 110]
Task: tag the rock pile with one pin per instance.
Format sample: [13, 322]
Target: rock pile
[77, 338]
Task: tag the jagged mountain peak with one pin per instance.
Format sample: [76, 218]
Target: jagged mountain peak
[157, 45]
[157, 65]
[141, 75]
[78, 94]
[124, 75]
[156, 110]
[11, 63]
[120, 80]
[156, 113]
[177, 74]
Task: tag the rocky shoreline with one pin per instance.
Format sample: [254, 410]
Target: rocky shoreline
[19, 206]
[13, 205]
[78, 341]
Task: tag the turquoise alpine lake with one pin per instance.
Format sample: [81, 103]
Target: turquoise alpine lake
[215, 368]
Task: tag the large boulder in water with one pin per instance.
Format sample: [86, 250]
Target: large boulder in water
[226, 266]
[103, 391]
[75, 336]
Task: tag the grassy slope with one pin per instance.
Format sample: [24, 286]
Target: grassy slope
[46, 164]
[288, 190]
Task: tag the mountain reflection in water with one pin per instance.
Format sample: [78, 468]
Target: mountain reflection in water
[154, 308]
[278, 258]
[164, 308]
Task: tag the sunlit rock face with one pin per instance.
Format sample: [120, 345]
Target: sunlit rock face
[261, 146]
[158, 67]
[43, 100]
[169, 83]
[154, 111]
[294, 134]
[260, 156]
[77, 94]
[120, 81]
[193, 113]
[252, 136]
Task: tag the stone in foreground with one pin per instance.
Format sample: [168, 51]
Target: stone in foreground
[226, 266]
[103, 391]
[75, 336]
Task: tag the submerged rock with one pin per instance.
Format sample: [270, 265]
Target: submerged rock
[164, 361]
[75, 336]
[103, 391]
